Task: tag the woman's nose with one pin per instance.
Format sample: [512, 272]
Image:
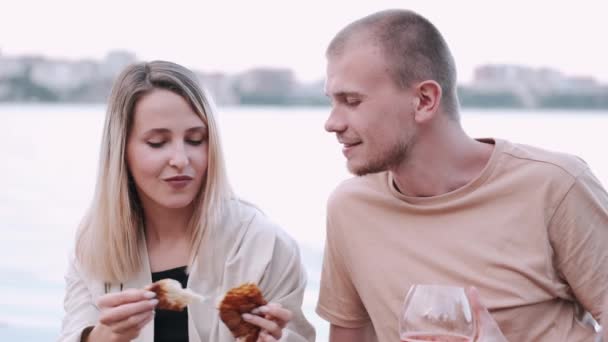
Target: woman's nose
[179, 158]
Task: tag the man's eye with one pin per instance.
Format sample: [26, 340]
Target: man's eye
[155, 144]
[352, 101]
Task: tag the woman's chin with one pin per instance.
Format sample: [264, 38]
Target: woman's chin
[176, 204]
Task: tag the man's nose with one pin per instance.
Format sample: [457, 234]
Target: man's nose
[335, 122]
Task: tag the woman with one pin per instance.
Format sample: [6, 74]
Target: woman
[163, 208]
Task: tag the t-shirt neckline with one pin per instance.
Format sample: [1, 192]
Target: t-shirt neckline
[457, 193]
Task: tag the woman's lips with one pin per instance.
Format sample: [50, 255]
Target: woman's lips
[178, 182]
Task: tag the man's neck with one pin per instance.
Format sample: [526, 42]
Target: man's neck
[441, 164]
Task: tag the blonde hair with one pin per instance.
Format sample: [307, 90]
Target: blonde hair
[112, 231]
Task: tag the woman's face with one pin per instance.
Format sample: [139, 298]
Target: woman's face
[167, 150]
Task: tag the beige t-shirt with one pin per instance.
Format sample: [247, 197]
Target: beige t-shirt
[530, 232]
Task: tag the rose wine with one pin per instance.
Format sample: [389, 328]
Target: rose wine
[420, 337]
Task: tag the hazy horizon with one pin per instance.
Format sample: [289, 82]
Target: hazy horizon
[234, 36]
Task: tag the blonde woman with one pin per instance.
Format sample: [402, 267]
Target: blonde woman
[163, 208]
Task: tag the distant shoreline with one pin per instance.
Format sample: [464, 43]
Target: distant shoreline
[297, 105]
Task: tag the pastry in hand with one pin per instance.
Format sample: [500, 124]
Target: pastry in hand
[171, 295]
[237, 301]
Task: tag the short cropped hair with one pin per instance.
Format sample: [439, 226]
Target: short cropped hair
[414, 49]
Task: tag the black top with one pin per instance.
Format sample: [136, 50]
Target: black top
[171, 325]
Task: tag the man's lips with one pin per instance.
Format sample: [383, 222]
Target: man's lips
[347, 145]
[347, 148]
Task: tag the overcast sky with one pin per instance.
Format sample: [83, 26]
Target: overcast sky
[231, 36]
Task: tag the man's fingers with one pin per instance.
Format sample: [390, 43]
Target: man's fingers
[479, 310]
[481, 315]
[125, 311]
[604, 320]
[119, 298]
[487, 328]
[476, 304]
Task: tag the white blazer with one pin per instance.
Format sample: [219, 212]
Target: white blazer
[246, 248]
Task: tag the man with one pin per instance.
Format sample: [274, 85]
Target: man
[528, 228]
[605, 320]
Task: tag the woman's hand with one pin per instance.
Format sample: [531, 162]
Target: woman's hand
[487, 329]
[274, 320]
[123, 315]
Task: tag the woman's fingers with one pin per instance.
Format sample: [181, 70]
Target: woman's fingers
[264, 323]
[274, 319]
[111, 300]
[266, 337]
[124, 312]
[133, 322]
[125, 308]
[276, 312]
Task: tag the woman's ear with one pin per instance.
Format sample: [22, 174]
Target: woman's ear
[428, 97]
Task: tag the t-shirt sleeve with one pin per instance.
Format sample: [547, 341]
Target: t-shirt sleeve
[579, 235]
[339, 303]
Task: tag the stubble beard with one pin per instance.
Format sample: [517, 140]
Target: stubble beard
[395, 156]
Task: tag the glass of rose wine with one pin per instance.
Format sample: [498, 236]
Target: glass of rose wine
[436, 313]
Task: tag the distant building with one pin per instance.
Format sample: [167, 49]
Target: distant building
[220, 86]
[41, 79]
[11, 67]
[265, 85]
[115, 62]
[531, 86]
[542, 80]
[63, 76]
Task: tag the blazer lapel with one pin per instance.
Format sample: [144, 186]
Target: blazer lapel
[142, 279]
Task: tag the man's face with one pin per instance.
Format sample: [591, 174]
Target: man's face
[373, 117]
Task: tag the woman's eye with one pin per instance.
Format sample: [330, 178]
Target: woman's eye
[155, 144]
[195, 142]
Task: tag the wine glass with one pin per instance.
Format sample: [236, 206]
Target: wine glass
[436, 313]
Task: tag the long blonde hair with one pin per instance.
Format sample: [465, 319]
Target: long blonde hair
[111, 233]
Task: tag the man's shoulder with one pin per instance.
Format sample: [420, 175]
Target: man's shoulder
[552, 162]
[358, 187]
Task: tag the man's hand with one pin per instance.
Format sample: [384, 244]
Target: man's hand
[487, 329]
[604, 321]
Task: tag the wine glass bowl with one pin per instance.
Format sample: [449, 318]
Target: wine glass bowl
[436, 313]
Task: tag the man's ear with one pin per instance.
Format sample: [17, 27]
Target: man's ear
[428, 97]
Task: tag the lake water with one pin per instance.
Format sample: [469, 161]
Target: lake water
[279, 158]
